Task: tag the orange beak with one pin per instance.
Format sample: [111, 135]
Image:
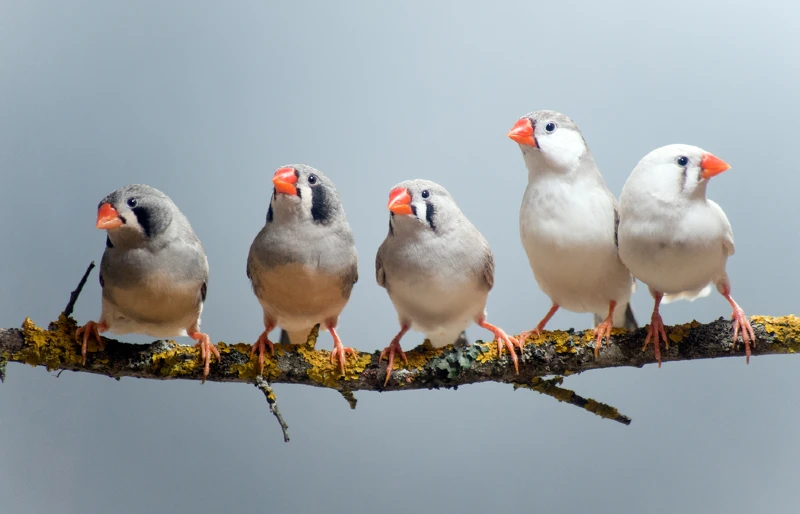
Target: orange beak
[712, 165]
[522, 132]
[400, 201]
[284, 180]
[108, 217]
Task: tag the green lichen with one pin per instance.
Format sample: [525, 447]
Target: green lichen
[457, 360]
[54, 348]
[601, 409]
[325, 372]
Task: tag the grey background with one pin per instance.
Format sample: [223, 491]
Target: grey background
[205, 101]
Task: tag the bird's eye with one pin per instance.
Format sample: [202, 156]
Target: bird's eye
[682, 160]
[550, 127]
[131, 202]
[312, 179]
[426, 194]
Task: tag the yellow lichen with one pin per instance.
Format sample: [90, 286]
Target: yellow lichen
[550, 388]
[678, 333]
[177, 360]
[325, 372]
[251, 369]
[489, 354]
[419, 356]
[786, 330]
[601, 409]
[55, 348]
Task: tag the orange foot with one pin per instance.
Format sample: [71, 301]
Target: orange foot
[262, 344]
[603, 330]
[206, 349]
[656, 330]
[742, 324]
[394, 347]
[503, 339]
[338, 348]
[90, 329]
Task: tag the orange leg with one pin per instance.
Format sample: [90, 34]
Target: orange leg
[655, 329]
[394, 347]
[540, 327]
[603, 330]
[502, 339]
[90, 329]
[262, 344]
[206, 349]
[338, 348]
[741, 324]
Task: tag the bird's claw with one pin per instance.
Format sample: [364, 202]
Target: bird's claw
[656, 330]
[507, 341]
[394, 347]
[262, 344]
[206, 349]
[742, 324]
[602, 331]
[89, 330]
[341, 350]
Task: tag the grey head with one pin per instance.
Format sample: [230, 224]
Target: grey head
[421, 206]
[550, 140]
[304, 194]
[137, 214]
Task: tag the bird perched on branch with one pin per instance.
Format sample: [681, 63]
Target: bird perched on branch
[437, 268]
[673, 238]
[568, 223]
[154, 272]
[303, 263]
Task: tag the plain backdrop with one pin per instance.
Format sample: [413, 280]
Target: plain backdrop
[204, 100]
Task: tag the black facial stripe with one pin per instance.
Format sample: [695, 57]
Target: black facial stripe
[298, 192]
[102, 282]
[204, 290]
[683, 178]
[143, 217]
[413, 209]
[429, 211]
[321, 208]
[391, 228]
[108, 242]
[296, 173]
[269, 213]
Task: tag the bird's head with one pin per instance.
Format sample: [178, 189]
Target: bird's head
[136, 212]
[549, 140]
[678, 171]
[304, 193]
[422, 205]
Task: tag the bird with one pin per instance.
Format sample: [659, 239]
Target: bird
[154, 271]
[568, 225]
[673, 238]
[437, 268]
[303, 264]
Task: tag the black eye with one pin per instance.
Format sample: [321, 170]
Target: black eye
[426, 194]
[682, 160]
[550, 127]
[312, 179]
[131, 202]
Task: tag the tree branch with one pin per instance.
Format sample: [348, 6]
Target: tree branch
[553, 353]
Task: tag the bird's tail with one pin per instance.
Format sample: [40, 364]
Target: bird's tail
[462, 340]
[623, 317]
[299, 337]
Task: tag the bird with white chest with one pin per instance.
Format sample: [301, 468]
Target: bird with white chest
[568, 223]
[303, 263]
[437, 268]
[154, 272]
[673, 238]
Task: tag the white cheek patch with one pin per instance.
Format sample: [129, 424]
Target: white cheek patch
[131, 222]
[564, 147]
[420, 209]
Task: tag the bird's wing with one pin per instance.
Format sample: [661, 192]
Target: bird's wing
[380, 274]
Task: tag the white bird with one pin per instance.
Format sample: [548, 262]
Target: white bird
[437, 268]
[154, 272]
[303, 263]
[567, 223]
[673, 238]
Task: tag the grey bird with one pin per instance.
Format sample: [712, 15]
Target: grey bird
[437, 268]
[568, 225]
[303, 263]
[154, 272]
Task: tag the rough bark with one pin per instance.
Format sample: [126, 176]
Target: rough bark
[559, 353]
